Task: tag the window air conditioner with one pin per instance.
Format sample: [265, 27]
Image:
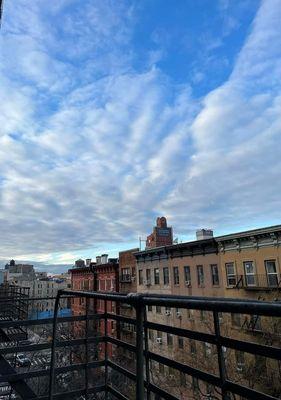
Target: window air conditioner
[167, 312]
[159, 340]
[178, 314]
[188, 283]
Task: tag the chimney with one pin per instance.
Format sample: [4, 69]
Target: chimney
[98, 259]
[88, 261]
[104, 258]
[202, 234]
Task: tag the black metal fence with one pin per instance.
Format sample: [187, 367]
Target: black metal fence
[96, 362]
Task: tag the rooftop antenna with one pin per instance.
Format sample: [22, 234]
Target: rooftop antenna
[141, 240]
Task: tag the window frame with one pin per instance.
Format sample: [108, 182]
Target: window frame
[215, 275]
[166, 277]
[187, 275]
[200, 275]
[270, 274]
[156, 276]
[230, 276]
[176, 275]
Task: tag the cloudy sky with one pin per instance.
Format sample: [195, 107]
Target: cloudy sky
[115, 112]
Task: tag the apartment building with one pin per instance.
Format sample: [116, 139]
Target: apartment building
[243, 265]
[103, 276]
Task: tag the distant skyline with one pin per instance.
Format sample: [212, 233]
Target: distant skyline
[116, 112]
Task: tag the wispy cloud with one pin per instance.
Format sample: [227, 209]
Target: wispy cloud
[93, 148]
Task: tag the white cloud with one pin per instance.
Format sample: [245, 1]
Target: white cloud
[92, 150]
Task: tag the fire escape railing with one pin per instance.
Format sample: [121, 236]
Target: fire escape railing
[144, 354]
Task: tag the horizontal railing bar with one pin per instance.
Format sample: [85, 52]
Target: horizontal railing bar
[197, 335]
[113, 296]
[211, 304]
[121, 343]
[204, 376]
[252, 348]
[165, 395]
[201, 303]
[48, 345]
[42, 372]
[79, 392]
[116, 393]
[122, 318]
[46, 321]
[122, 370]
[247, 392]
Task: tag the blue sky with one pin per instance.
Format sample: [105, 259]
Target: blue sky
[115, 112]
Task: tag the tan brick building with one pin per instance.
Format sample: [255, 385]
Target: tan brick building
[244, 265]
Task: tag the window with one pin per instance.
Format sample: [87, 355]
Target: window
[187, 277]
[180, 342]
[158, 309]
[148, 276]
[149, 308]
[255, 322]
[260, 363]
[176, 276]
[161, 368]
[215, 274]
[236, 320]
[192, 346]
[207, 349]
[140, 277]
[250, 273]
[240, 360]
[200, 275]
[271, 273]
[182, 379]
[166, 275]
[230, 274]
[169, 339]
[150, 334]
[203, 315]
[156, 276]
[159, 334]
[195, 384]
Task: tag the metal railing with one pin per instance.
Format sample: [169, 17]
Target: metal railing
[259, 281]
[126, 278]
[98, 373]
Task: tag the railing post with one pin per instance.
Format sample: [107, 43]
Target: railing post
[139, 307]
[53, 351]
[221, 361]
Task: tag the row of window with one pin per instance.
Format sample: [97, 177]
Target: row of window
[251, 276]
[214, 271]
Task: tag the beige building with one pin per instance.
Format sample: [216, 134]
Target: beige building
[243, 265]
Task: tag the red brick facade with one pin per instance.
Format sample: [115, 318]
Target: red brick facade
[162, 235]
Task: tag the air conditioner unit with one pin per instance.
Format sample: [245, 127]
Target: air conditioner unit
[239, 367]
[167, 312]
[159, 340]
[133, 278]
[178, 314]
[188, 283]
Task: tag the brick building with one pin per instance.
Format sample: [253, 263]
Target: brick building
[162, 235]
[244, 265]
[103, 276]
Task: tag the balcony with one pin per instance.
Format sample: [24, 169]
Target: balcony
[127, 278]
[83, 358]
[259, 282]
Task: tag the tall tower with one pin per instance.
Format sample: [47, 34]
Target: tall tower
[162, 235]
